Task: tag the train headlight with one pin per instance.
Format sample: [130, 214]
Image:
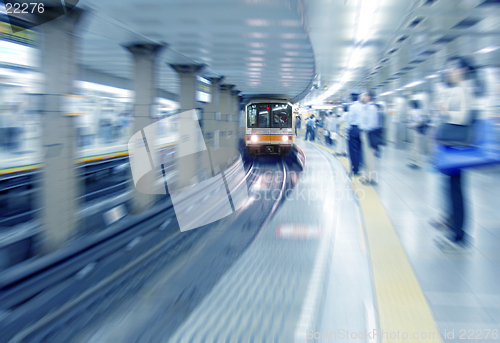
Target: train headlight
[284, 138]
[254, 138]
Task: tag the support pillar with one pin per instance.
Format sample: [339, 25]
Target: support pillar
[190, 164]
[212, 114]
[59, 182]
[145, 72]
[210, 127]
[235, 118]
[226, 114]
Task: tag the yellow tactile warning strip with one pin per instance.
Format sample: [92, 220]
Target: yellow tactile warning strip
[404, 313]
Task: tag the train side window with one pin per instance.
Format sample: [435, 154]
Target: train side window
[252, 116]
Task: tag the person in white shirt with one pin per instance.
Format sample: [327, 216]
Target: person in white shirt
[341, 136]
[329, 128]
[310, 127]
[417, 126]
[353, 121]
[457, 107]
[369, 122]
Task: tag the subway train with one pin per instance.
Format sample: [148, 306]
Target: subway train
[269, 127]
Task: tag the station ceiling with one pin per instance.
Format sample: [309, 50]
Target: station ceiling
[260, 46]
[305, 49]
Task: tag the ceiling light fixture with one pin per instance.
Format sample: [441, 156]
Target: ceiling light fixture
[367, 11]
[488, 49]
[258, 22]
[255, 59]
[432, 76]
[357, 56]
[387, 93]
[365, 19]
[413, 84]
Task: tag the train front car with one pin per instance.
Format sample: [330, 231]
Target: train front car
[269, 127]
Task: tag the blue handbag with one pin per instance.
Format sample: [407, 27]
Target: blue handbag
[484, 150]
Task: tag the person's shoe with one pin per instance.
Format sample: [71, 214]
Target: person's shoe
[439, 225]
[364, 181]
[412, 165]
[449, 244]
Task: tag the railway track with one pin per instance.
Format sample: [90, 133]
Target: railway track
[56, 297]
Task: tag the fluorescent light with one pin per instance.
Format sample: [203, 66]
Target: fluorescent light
[258, 35]
[487, 49]
[347, 76]
[290, 46]
[125, 93]
[254, 64]
[357, 56]
[386, 93]
[256, 45]
[432, 76]
[258, 22]
[255, 59]
[413, 84]
[365, 20]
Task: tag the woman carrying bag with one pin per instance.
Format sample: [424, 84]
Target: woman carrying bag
[458, 115]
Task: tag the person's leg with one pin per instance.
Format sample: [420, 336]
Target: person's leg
[457, 202]
[344, 141]
[412, 148]
[355, 149]
[350, 144]
[359, 149]
[421, 148]
[369, 166]
[364, 145]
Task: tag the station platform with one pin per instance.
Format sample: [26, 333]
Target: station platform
[30, 156]
[340, 260]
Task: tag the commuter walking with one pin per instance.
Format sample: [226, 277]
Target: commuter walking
[354, 132]
[332, 128]
[297, 125]
[326, 132]
[342, 137]
[417, 128]
[310, 127]
[369, 124]
[457, 107]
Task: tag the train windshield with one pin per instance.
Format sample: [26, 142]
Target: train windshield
[282, 116]
[269, 116]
